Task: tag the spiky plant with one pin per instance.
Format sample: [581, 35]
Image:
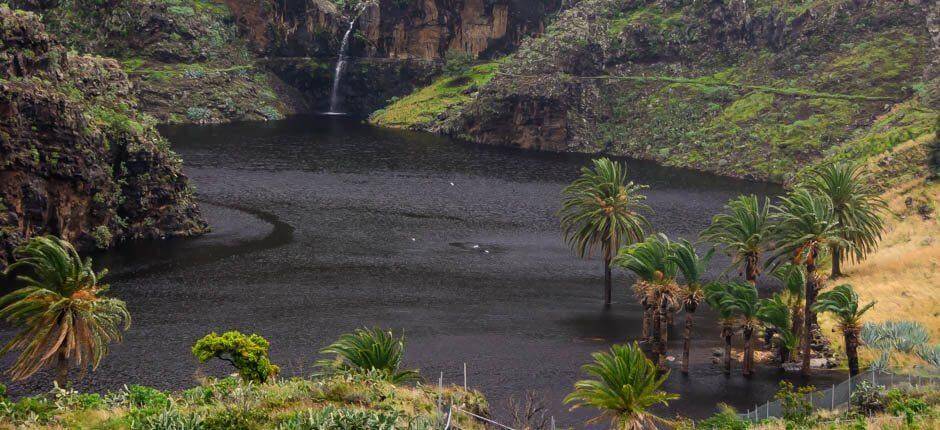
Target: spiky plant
[652, 263]
[740, 299]
[602, 210]
[775, 313]
[62, 313]
[624, 385]
[857, 205]
[842, 302]
[930, 354]
[692, 267]
[369, 351]
[806, 227]
[793, 278]
[743, 230]
[714, 297]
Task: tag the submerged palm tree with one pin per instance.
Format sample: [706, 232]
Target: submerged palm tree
[793, 278]
[61, 311]
[857, 205]
[370, 351]
[651, 261]
[740, 299]
[807, 226]
[602, 209]
[743, 230]
[624, 384]
[692, 267]
[775, 313]
[842, 301]
[714, 296]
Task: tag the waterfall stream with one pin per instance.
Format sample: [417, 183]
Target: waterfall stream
[341, 65]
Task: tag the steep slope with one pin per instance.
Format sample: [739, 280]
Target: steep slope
[754, 89]
[76, 160]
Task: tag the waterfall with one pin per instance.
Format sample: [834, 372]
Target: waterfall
[341, 65]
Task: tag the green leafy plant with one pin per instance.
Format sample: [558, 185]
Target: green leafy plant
[373, 351]
[457, 62]
[247, 353]
[624, 385]
[796, 408]
[692, 267]
[901, 404]
[740, 299]
[601, 209]
[775, 313]
[868, 398]
[331, 418]
[714, 296]
[743, 230]
[725, 419]
[62, 313]
[842, 301]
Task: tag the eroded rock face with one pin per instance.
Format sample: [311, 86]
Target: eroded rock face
[76, 160]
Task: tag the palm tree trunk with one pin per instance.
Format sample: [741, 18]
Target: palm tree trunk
[851, 349]
[62, 370]
[687, 343]
[784, 354]
[796, 325]
[658, 336]
[748, 351]
[750, 270]
[607, 280]
[809, 316]
[836, 262]
[647, 317]
[727, 332]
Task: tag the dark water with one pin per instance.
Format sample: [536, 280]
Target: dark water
[323, 225]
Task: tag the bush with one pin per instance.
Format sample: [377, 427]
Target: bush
[198, 114]
[330, 418]
[235, 418]
[37, 409]
[71, 399]
[868, 398]
[248, 354]
[796, 408]
[901, 404]
[726, 419]
[169, 419]
[457, 62]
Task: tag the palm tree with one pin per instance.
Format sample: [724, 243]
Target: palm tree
[651, 261]
[806, 226]
[62, 313]
[741, 300]
[743, 230]
[857, 205]
[369, 351]
[624, 384]
[793, 278]
[714, 296]
[692, 267]
[602, 209]
[842, 301]
[775, 313]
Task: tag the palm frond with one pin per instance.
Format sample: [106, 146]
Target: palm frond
[842, 301]
[372, 351]
[743, 230]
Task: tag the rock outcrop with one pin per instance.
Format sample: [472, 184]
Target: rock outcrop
[76, 159]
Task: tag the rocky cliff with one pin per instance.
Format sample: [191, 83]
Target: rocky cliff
[755, 89]
[76, 159]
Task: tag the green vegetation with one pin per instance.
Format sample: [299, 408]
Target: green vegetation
[63, 317]
[692, 267]
[743, 231]
[739, 300]
[425, 105]
[602, 210]
[248, 354]
[371, 352]
[843, 302]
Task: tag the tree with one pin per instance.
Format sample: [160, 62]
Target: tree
[775, 313]
[743, 230]
[714, 296]
[857, 205]
[806, 226]
[602, 209]
[624, 384]
[842, 302]
[370, 351]
[62, 312]
[793, 278]
[692, 267]
[740, 299]
[651, 261]
[248, 354]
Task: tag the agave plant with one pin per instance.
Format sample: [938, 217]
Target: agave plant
[775, 313]
[62, 312]
[857, 205]
[842, 301]
[369, 351]
[651, 261]
[930, 354]
[692, 267]
[602, 209]
[624, 384]
[904, 336]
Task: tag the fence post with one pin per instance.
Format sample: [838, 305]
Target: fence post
[832, 404]
[873, 380]
[553, 422]
[465, 376]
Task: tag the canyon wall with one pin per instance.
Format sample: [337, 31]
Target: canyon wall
[76, 159]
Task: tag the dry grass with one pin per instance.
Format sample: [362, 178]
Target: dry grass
[903, 275]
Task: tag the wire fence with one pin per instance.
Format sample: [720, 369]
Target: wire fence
[449, 411]
[839, 395]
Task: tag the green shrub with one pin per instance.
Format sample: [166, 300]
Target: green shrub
[139, 396]
[796, 408]
[102, 236]
[248, 354]
[235, 418]
[198, 114]
[868, 398]
[65, 399]
[725, 419]
[330, 418]
[457, 62]
[374, 352]
[168, 419]
[37, 409]
[901, 404]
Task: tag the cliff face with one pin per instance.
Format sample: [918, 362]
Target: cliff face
[76, 160]
[756, 89]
